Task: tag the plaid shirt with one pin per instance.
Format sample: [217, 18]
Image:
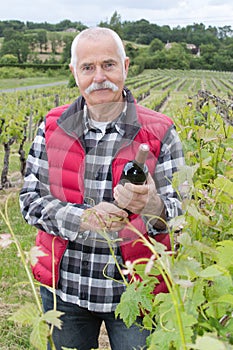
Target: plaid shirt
[88, 274]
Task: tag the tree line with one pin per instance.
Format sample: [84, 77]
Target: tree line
[147, 44]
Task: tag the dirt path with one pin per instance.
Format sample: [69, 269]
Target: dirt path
[103, 339]
[21, 88]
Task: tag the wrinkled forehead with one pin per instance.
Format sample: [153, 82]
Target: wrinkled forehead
[103, 46]
[90, 40]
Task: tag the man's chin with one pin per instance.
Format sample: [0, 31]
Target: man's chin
[100, 96]
[105, 107]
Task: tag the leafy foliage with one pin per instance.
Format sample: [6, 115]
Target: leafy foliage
[197, 311]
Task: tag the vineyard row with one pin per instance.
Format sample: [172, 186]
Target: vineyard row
[169, 90]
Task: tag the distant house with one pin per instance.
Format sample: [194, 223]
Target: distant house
[168, 45]
[71, 30]
[193, 48]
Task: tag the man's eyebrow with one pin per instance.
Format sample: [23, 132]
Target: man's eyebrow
[86, 64]
[110, 60]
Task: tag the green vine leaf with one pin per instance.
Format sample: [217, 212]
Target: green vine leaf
[29, 315]
[39, 335]
[226, 298]
[225, 253]
[193, 211]
[183, 178]
[129, 307]
[53, 317]
[225, 184]
[212, 271]
[209, 342]
[26, 315]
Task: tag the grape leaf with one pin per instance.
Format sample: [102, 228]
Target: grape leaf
[225, 253]
[209, 342]
[27, 315]
[129, 307]
[53, 317]
[39, 335]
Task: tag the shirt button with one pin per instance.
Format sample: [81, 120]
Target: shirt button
[83, 235]
[85, 263]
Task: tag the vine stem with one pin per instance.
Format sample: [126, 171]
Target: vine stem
[168, 280]
[22, 256]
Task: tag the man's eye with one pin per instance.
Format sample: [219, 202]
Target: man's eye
[108, 66]
[88, 68]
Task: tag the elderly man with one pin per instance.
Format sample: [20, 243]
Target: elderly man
[72, 194]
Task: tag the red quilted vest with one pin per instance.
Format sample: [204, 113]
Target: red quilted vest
[66, 159]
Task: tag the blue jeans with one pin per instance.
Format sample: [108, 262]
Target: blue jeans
[81, 328]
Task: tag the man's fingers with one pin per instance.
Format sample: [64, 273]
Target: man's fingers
[138, 189]
[110, 209]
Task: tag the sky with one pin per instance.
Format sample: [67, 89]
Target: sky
[161, 12]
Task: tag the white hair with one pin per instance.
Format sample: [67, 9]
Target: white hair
[95, 33]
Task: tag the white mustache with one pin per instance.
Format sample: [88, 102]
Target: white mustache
[99, 86]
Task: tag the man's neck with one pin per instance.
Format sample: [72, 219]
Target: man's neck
[106, 112]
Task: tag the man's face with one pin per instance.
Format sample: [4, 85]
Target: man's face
[100, 71]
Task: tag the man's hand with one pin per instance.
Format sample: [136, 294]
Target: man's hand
[140, 199]
[103, 216]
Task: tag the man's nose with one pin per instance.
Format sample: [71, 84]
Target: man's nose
[99, 75]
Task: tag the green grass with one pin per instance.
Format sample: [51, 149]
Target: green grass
[14, 288]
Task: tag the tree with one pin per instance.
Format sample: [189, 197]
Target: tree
[55, 39]
[66, 54]
[12, 24]
[144, 32]
[139, 31]
[131, 51]
[17, 44]
[114, 24]
[8, 59]
[208, 52]
[177, 57]
[224, 32]
[222, 62]
[42, 38]
[223, 58]
[32, 39]
[156, 45]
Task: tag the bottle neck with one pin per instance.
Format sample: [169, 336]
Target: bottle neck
[142, 154]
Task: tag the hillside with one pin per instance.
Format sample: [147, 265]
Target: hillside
[148, 45]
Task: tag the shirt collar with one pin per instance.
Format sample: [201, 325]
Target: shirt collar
[118, 123]
[74, 121]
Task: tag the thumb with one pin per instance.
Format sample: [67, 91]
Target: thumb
[150, 180]
[151, 184]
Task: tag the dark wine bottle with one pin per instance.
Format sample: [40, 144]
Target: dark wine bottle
[135, 171]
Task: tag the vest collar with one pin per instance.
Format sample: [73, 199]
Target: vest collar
[72, 119]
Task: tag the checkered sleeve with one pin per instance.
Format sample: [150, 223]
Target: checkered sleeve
[171, 158]
[38, 206]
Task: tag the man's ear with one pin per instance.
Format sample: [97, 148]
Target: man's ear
[73, 73]
[126, 66]
[71, 68]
